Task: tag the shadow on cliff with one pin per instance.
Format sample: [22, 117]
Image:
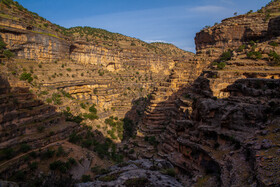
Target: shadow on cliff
[28, 125]
[196, 107]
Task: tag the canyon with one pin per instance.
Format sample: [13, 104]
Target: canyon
[87, 107]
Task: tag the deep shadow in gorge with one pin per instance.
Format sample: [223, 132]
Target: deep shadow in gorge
[209, 137]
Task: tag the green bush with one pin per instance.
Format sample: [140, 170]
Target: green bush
[128, 126]
[152, 140]
[226, 56]
[241, 48]
[40, 129]
[8, 153]
[274, 57]
[24, 148]
[221, 65]
[63, 167]
[33, 166]
[71, 117]
[83, 105]
[48, 154]
[86, 178]
[56, 98]
[60, 151]
[136, 182]
[170, 171]
[254, 55]
[92, 109]
[273, 43]
[48, 100]
[2, 44]
[72, 161]
[91, 116]
[8, 54]
[74, 138]
[26, 76]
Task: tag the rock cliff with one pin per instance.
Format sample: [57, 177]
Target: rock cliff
[214, 115]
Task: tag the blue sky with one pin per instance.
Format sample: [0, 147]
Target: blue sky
[171, 21]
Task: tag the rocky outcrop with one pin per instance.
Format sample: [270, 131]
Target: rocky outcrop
[273, 27]
[231, 33]
[215, 128]
[137, 173]
[25, 120]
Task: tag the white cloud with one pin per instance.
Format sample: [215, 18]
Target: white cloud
[208, 9]
[151, 41]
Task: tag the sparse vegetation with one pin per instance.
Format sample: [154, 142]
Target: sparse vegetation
[8, 54]
[274, 57]
[170, 171]
[254, 55]
[26, 77]
[226, 56]
[136, 182]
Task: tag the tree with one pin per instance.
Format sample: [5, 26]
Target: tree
[7, 53]
[235, 13]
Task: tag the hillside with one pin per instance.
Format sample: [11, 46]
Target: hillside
[86, 107]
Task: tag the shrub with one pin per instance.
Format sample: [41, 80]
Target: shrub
[65, 94]
[19, 176]
[68, 69]
[74, 138]
[273, 43]
[136, 182]
[26, 76]
[63, 167]
[86, 143]
[33, 166]
[254, 55]
[72, 161]
[60, 151]
[8, 153]
[170, 171]
[128, 127]
[56, 99]
[91, 116]
[86, 178]
[92, 109]
[226, 56]
[274, 57]
[152, 140]
[48, 100]
[48, 154]
[241, 48]
[2, 44]
[24, 148]
[221, 65]
[83, 105]
[40, 128]
[109, 178]
[33, 154]
[8, 54]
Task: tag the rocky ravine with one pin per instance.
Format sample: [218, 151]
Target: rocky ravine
[221, 130]
[213, 116]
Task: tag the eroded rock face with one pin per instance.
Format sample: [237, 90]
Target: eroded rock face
[233, 32]
[274, 27]
[137, 173]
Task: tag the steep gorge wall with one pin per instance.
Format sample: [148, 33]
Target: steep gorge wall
[219, 129]
[231, 33]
